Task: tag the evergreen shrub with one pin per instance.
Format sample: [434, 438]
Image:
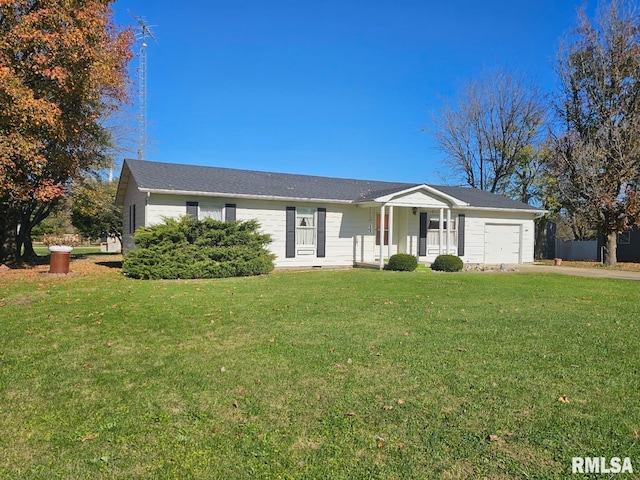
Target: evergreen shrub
[402, 262]
[189, 248]
[447, 263]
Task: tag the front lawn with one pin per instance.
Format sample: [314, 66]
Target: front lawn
[323, 374]
[43, 250]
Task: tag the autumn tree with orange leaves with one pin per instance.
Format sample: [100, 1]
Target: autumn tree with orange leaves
[63, 68]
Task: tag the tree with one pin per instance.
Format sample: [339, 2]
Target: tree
[597, 153]
[490, 134]
[63, 67]
[94, 212]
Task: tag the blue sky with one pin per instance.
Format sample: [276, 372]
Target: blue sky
[343, 88]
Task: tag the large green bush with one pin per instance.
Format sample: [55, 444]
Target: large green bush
[447, 263]
[402, 262]
[190, 248]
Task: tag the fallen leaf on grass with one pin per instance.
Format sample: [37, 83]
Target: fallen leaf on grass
[636, 434]
[493, 438]
[388, 407]
[400, 401]
[93, 436]
[563, 399]
[349, 414]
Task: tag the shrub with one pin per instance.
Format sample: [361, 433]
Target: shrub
[189, 248]
[402, 262]
[447, 263]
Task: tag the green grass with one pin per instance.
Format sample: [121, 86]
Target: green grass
[325, 374]
[77, 250]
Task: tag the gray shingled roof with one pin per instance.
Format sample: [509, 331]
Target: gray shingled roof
[155, 176]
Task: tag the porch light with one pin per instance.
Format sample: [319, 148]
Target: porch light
[414, 210]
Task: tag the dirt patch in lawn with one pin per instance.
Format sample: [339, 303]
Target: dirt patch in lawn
[80, 265]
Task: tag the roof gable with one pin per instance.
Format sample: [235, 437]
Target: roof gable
[420, 196]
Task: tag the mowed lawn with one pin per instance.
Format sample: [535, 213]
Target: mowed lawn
[321, 374]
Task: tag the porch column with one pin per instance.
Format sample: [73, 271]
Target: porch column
[381, 234]
[390, 231]
[448, 230]
[440, 231]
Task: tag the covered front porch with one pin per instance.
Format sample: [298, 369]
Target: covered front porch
[418, 221]
[422, 233]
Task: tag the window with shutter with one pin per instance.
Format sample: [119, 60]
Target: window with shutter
[192, 209]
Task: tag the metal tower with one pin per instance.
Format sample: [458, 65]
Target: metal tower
[142, 34]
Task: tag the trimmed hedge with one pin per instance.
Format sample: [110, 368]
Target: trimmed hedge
[402, 262]
[189, 248]
[447, 263]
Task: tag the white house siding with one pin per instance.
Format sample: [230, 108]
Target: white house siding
[172, 206]
[347, 226]
[418, 199]
[132, 197]
[350, 229]
[346, 231]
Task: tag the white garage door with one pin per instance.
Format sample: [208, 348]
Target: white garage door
[501, 243]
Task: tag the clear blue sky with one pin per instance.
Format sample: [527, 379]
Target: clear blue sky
[343, 88]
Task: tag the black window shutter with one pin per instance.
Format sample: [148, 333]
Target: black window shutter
[133, 219]
[192, 209]
[422, 242]
[322, 232]
[230, 212]
[290, 248]
[461, 235]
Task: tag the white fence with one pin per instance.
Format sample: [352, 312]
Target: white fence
[577, 250]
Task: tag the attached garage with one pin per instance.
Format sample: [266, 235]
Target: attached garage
[502, 243]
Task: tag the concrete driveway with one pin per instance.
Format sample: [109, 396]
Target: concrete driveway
[580, 272]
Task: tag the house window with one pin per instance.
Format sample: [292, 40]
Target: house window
[192, 209]
[305, 227]
[132, 218]
[433, 233]
[386, 229]
[210, 210]
[624, 238]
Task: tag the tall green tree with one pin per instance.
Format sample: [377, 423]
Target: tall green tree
[596, 157]
[63, 67]
[94, 213]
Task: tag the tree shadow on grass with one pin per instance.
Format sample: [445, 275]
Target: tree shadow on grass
[114, 264]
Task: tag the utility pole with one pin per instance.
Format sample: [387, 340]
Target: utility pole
[142, 34]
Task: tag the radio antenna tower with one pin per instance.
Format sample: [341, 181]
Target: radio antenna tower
[143, 33]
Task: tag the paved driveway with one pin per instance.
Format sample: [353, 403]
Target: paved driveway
[580, 272]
